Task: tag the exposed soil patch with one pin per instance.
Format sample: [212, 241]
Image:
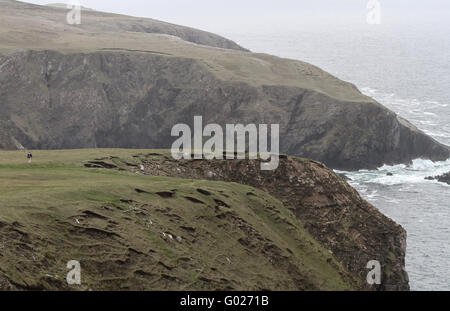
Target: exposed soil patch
[141, 191]
[100, 164]
[221, 203]
[92, 214]
[195, 200]
[204, 192]
[166, 194]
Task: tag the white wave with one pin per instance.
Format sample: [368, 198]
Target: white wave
[434, 134]
[401, 174]
[427, 115]
[400, 105]
[430, 116]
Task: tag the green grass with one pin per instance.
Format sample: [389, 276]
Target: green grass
[55, 210]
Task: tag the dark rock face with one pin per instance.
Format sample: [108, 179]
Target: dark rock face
[51, 100]
[445, 178]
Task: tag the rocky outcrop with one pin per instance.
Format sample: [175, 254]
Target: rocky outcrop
[351, 229]
[117, 81]
[444, 178]
[7, 141]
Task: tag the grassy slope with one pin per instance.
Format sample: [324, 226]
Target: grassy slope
[119, 238]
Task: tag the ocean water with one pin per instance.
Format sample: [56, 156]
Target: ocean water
[405, 65]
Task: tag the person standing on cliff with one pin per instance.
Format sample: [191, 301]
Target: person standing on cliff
[29, 157]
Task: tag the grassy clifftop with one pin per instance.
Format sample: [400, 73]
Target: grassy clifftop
[119, 225]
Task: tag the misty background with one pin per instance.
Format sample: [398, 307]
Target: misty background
[214, 14]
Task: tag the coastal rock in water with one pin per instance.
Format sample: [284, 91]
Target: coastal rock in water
[67, 88]
[445, 178]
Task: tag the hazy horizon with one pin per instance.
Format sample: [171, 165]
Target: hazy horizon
[215, 15]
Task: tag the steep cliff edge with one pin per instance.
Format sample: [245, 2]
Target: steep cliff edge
[117, 81]
[353, 231]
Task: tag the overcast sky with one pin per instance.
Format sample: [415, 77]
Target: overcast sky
[210, 13]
